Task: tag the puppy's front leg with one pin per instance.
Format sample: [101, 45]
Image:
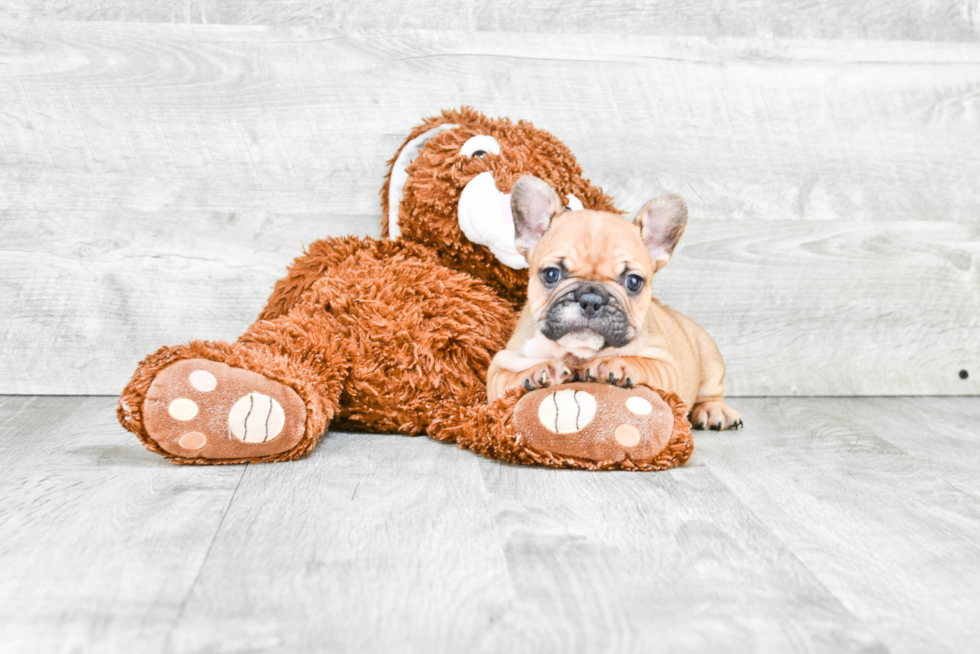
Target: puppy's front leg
[630, 371]
[549, 373]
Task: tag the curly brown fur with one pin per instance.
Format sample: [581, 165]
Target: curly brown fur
[428, 212]
[324, 255]
[488, 430]
[380, 334]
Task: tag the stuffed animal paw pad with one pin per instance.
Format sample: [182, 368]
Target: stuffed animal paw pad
[596, 422]
[202, 408]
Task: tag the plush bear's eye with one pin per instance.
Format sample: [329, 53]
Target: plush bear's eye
[633, 283]
[551, 276]
[480, 145]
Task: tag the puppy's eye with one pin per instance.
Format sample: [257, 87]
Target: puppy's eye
[551, 276]
[633, 283]
[479, 154]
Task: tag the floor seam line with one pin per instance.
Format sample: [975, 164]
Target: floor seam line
[167, 644]
[790, 552]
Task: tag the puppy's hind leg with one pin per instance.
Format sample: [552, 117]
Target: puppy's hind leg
[709, 410]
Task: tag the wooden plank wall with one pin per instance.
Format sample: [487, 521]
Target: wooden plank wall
[159, 168]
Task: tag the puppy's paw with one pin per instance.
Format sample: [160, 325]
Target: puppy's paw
[546, 374]
[618, 371]
[715, 415]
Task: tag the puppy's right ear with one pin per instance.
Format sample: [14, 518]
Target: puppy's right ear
[534, 203]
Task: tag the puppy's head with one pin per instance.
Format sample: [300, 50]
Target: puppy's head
[590, 271]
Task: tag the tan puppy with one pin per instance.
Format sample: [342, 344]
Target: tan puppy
[590, 315]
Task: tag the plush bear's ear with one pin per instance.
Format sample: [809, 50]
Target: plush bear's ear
[397, 176]
[662, 222]
[534, 203]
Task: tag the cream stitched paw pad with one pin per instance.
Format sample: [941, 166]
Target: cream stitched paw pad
[201, 408]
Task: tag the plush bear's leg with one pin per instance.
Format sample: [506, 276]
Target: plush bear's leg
[267, 397]
[585, 425]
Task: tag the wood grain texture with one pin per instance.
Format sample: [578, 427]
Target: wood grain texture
[156, 179]
[826, 525]
[835, 307]
[669, 562]
[949, 452]
[373, 543]
[381, 543]
[932, 20]
[865, 493]
[100, 544]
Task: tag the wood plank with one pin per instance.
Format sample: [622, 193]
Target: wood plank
[834, 307]
[372, 543]
[302, 120]
[656, 562]
[820, 527]
[100, 540]
[939, 433]
[931, 20]
[86, 309]
[155, 180]
[382, 543]
[797, 308]
[879, 526]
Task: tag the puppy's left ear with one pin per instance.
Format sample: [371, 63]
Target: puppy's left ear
[662, 222]
[534, 203]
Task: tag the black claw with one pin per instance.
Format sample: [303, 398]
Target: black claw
[527, 385]
[576, 377]
[716, 426]
[612, 379]
[629, 383]
[588, 376]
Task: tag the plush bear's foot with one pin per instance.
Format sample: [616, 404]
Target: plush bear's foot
[205, 410]
[584, 425]
[608, 425]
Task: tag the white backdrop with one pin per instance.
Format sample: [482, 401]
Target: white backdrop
[157, 176]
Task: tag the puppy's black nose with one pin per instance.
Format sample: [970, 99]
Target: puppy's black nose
[591, 297]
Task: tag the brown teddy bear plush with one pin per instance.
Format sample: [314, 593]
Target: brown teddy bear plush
[392, 335]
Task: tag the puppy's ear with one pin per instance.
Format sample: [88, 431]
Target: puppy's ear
[533, 203]
[662, 222]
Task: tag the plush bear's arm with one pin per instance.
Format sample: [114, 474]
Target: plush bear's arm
[321, 256]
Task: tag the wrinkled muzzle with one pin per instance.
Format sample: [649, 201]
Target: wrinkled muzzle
[588, 307]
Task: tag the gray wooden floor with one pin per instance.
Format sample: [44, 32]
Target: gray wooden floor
[831, 525]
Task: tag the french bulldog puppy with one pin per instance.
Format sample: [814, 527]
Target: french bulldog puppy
[590, 315]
